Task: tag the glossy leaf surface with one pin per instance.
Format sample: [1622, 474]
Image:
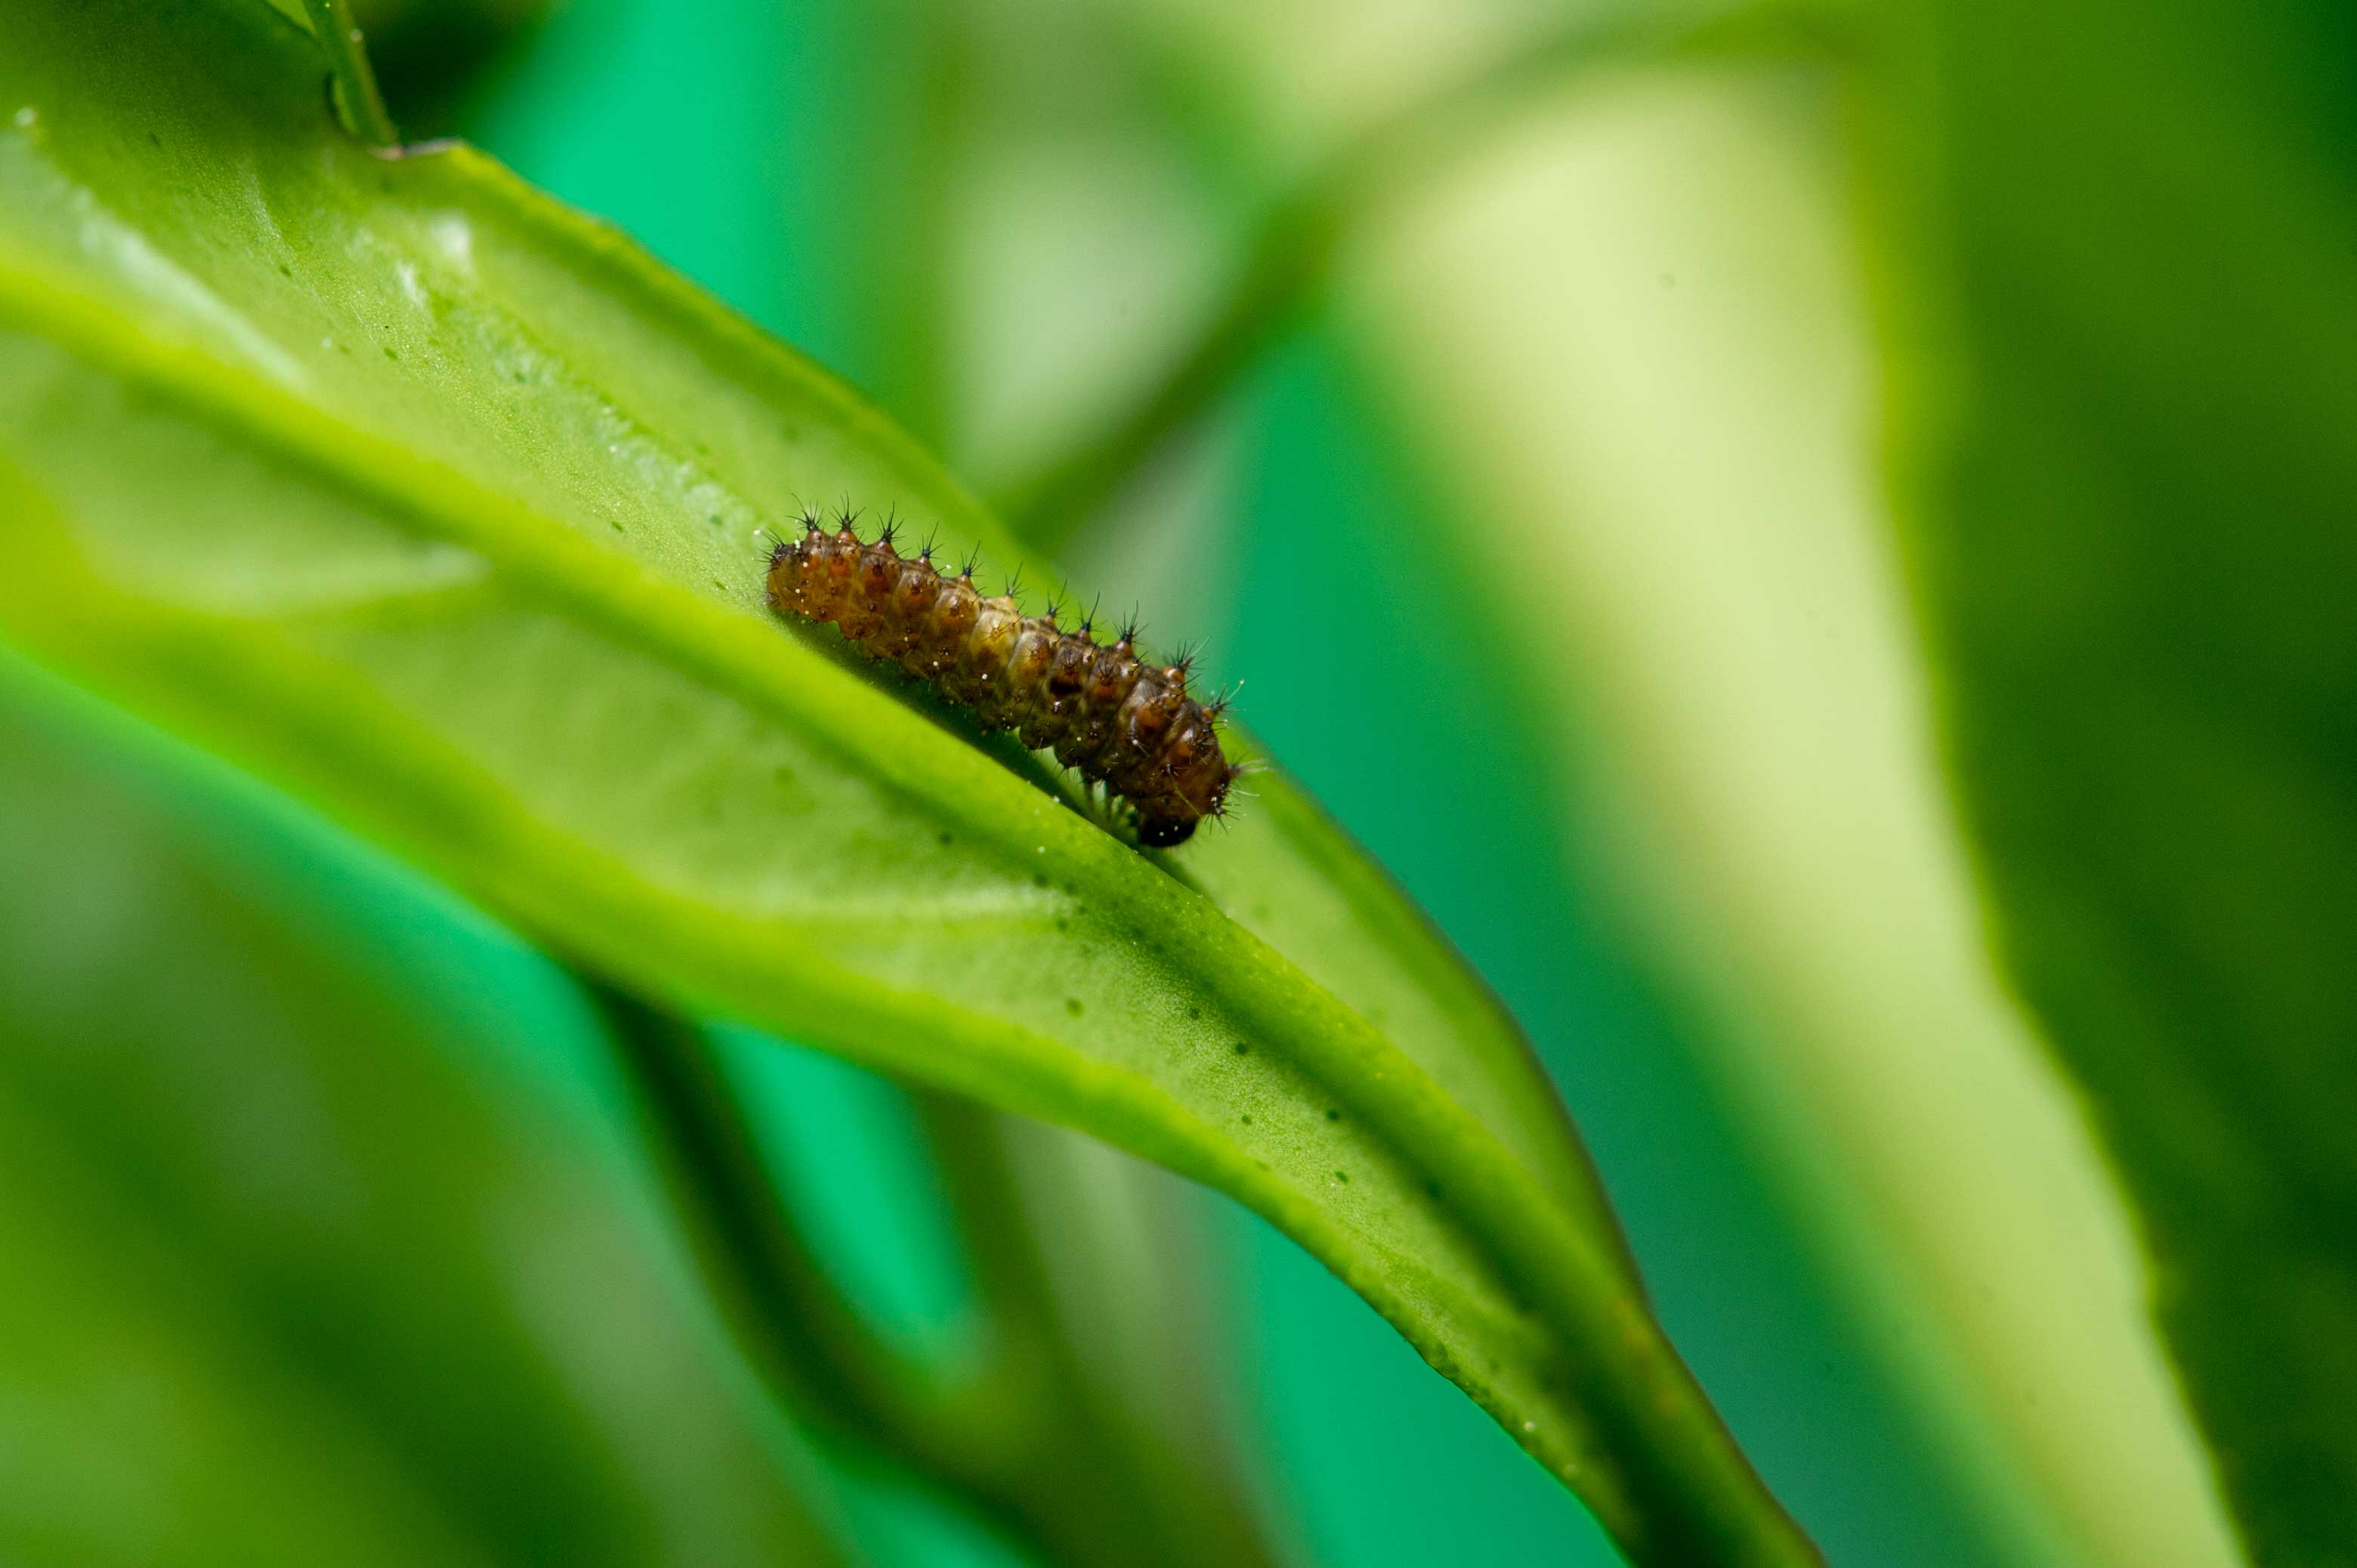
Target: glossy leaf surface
[439, 503]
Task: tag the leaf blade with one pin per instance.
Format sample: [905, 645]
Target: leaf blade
[2124, 393]
[520, 635]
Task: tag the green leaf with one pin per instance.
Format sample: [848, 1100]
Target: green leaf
[288, 1273]
[437, 502]
[2126, 272]
[1641, 331]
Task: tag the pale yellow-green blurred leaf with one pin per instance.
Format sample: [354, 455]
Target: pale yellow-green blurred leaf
[1639, 331]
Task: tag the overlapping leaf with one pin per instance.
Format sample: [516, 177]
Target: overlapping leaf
[2129, 376]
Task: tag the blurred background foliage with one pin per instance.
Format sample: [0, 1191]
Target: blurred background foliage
[1531, 475]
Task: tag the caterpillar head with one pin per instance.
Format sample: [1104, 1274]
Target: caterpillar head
[1162, 833]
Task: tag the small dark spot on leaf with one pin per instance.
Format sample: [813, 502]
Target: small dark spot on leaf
[1194, 1012]
[947, 841]
[715, 519]
[1038, 879]
[1342, 1177]
[1243, 1049]
[1245, 1117]
[1333, 1116]
[389, 353]
[1072, 1006]
[1062, 924]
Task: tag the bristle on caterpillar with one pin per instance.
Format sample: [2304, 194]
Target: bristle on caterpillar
[1119, 720]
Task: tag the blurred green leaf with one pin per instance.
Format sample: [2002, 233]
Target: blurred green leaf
[2124, 277]
[1291, 247]
[279, 1281]
[1656, 348]
[1084, 1422]
[438, 502]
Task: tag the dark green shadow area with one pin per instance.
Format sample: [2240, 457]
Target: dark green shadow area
[319, 1245]
[483, 1042]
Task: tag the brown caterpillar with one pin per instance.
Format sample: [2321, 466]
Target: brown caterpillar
[1122, 722]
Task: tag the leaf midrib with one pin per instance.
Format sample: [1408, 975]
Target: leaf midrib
[487, 193]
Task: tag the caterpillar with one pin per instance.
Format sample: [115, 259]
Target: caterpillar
[1121, 722]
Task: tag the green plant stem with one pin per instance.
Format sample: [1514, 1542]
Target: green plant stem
[1286, 259]
[1015, 1438]
[359, 105]
[795, 1325]
[1155, 1486]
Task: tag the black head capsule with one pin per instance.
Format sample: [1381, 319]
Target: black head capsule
[1163, 833]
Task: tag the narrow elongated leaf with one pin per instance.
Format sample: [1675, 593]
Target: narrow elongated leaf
[1641, 330]
[439, 503]
[2133, 497]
